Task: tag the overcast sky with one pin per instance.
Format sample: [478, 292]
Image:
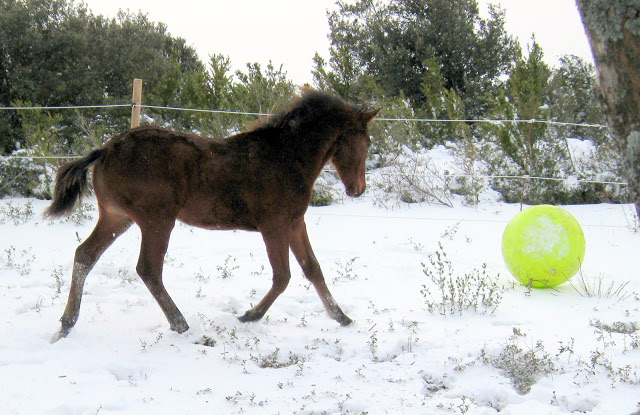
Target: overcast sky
[289, 32]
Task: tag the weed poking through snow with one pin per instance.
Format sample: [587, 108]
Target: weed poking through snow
[448, 293]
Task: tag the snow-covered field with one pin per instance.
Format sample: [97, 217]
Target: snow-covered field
[563, 351]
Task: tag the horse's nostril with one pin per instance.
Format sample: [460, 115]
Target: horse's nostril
[356, 190]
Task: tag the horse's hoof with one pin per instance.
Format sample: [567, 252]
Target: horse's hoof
[179, 328]
[248, 317]
[61, 334]
[245, 318]
[178, 324]
[345, 321]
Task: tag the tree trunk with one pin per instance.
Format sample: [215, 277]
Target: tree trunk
[613, 30]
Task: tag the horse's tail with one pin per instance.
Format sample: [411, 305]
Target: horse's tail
[71, 184]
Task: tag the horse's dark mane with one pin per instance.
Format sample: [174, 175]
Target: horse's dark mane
[309, 106]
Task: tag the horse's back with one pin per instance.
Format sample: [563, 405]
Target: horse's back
[151, 174]
[239, 182]
[149, 168]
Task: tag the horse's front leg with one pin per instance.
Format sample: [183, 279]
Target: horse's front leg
[277, 244]
[301, 248]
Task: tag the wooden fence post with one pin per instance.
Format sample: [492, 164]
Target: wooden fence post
[136, 102]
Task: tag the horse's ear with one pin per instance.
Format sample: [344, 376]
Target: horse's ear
[368, 116]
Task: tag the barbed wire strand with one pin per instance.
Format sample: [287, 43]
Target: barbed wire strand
[426, 120]
[259, 114]
[499, 176]
[314, 214]
[66, 107]
[426, 218]
[469, 176]
[39, 157]
[262, 114]
[531, 121]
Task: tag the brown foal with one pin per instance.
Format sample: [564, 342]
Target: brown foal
[259, 180]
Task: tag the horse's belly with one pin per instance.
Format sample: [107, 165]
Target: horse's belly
[215, 218]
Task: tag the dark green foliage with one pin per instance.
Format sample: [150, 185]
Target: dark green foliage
[321, 196]
[261, 90]
[432, 59]
[397, 46]
[214, 86]
[572, 99]
[20, 177]
[56, 52]
[523, 98]
[536, 92]
[528, 148]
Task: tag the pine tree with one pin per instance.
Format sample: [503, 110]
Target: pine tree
[572, 99]
[393, 45]
[526, 148]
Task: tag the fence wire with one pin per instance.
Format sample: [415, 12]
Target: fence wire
[262, 114]
[66, 107]
[385, 119]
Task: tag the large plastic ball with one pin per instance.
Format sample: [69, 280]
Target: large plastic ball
[543, 246]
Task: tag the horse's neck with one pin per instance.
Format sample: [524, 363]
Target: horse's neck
[311, 150]
[318, 151]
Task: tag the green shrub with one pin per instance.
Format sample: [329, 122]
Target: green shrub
[324, 192]
[20, 177]
[321, 196]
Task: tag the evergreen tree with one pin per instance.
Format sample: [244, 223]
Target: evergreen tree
[572, 99]
[261, 90]
[394, 45]
[216, 87]
[526, 148]
[56, 52]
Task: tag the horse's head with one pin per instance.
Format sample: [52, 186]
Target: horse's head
[350, 153]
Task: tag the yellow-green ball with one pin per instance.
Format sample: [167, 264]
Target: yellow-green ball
[543, 246]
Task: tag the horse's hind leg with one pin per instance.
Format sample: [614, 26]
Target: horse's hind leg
[301, 248]
[108, 228]
[155, 240]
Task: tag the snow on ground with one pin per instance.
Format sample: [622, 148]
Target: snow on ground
[541, 352]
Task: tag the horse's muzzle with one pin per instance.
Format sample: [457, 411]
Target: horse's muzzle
[356, 190]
